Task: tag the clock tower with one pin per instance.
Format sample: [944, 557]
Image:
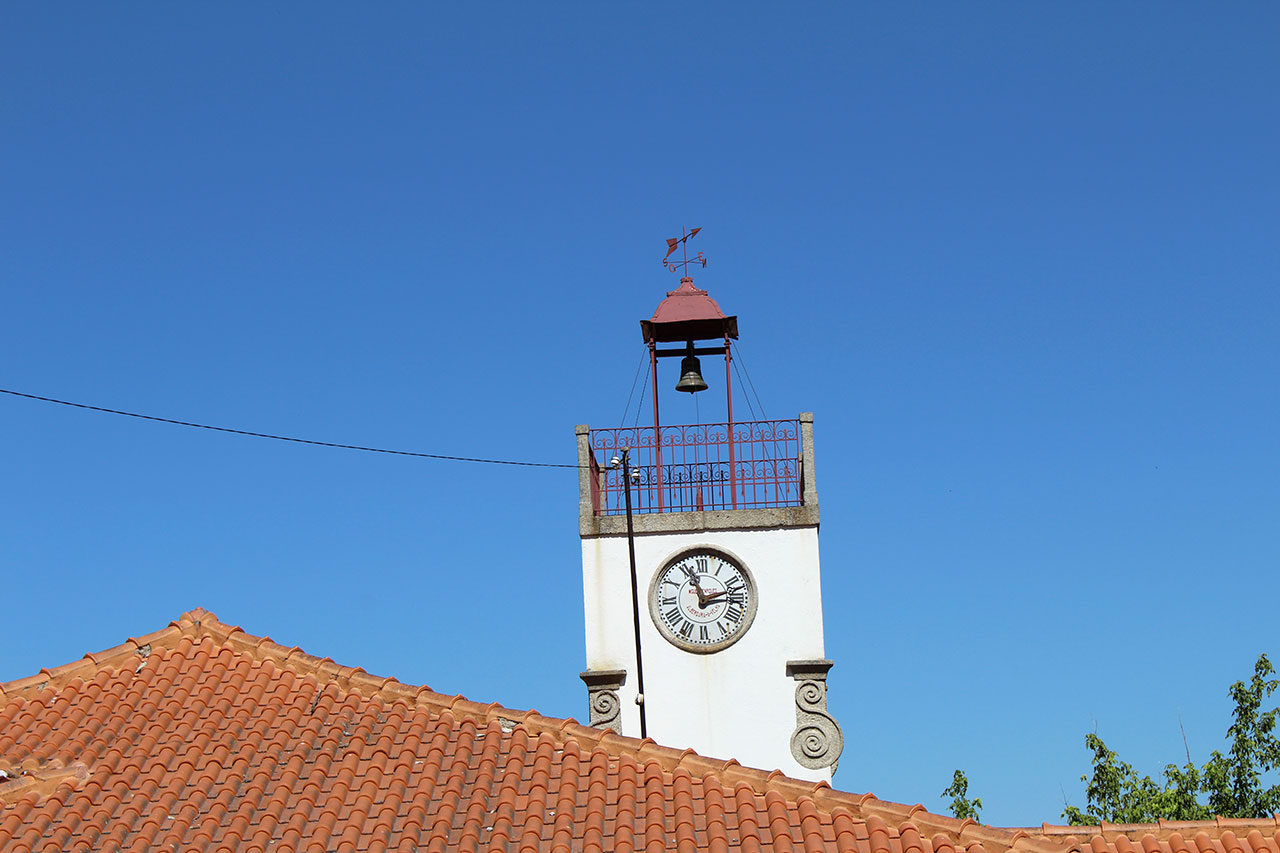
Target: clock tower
[700, 570]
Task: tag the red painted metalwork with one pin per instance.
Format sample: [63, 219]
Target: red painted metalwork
[657, 441]
[682, 240]
[749, 465]
[595, 482]
[728, 391]
[688, 314]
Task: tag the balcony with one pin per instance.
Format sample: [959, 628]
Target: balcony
[705, 468]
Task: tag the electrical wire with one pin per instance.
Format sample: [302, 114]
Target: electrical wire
[746, 396]
[764, 416]
[634, 380]
[643, 388]
[738, 350]
[252, 434]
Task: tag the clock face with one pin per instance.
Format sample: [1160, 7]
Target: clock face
[702, 600]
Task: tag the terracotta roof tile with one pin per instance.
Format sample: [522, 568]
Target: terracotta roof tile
[1223, 835]
[200, 736]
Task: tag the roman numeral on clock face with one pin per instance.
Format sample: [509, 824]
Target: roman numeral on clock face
[710, 602]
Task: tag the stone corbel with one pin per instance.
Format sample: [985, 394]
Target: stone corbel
[817, 741]
[602, 697]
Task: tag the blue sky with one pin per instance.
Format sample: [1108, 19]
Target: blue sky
[1021, 261]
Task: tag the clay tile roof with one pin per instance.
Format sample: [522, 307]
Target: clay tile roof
[202, 737]
[1224, 835]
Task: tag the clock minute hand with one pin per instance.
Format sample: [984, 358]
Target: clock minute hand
[702, 596]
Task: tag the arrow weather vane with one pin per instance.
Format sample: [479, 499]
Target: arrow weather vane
[682, 241]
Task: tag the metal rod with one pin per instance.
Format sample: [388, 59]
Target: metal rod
[635, 589]
[728, 390]
[672, 353]
[657, 430]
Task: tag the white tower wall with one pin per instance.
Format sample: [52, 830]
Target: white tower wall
[736, 703]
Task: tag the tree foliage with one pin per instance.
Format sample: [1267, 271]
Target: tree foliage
[961, 806]
[1227, 785]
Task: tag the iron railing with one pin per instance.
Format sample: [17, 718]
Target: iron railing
[699, 467]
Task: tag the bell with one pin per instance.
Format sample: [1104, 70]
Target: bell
[691, 375]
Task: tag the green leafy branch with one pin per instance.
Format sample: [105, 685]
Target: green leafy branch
[1227, 785]
[961, 806]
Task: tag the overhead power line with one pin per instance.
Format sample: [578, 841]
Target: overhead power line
[252, 434]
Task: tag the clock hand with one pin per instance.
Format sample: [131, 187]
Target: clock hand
[702, 596]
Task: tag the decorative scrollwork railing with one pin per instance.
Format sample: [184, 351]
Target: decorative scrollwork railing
[696, 467]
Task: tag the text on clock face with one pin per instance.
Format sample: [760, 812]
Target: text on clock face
[702, 599]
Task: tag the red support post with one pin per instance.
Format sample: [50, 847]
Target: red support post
[657, 430]
[728, 390]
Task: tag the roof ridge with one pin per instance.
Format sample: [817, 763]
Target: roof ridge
[1160, 826]
[964, 831]
[92, 662]
[199, 623]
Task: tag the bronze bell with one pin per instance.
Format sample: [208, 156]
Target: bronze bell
[691, 374]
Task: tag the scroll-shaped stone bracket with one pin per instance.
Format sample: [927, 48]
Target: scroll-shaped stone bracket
[602, 697]
[817, 741]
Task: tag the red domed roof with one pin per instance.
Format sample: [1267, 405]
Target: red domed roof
[688, 314]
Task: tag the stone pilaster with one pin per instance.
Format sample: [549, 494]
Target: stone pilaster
[817, 741]
[602, 697]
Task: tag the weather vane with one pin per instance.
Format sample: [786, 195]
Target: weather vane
[682, 241]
